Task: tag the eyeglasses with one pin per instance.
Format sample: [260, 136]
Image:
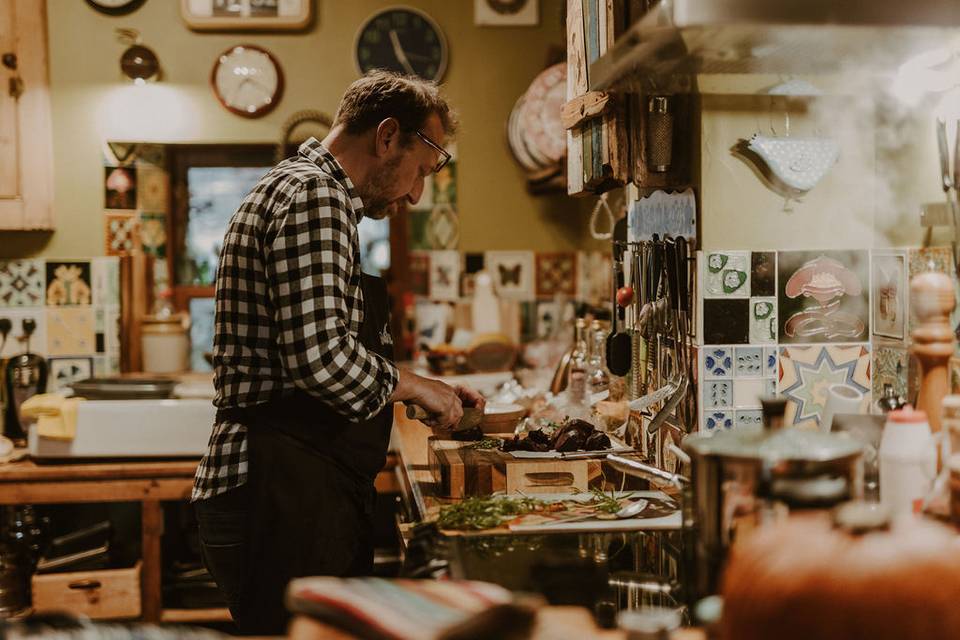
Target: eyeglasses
[444, 156]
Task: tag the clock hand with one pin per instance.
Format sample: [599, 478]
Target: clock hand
[398, 52]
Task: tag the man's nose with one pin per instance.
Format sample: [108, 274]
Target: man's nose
[413, 197]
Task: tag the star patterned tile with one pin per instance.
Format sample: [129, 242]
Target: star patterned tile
[556, 274]
[806, 374]
[22, 283]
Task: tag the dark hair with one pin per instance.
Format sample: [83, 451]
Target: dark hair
[383, 94]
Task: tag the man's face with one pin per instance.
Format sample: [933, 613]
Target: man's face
[400, 171]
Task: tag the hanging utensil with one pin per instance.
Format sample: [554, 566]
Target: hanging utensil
[618, 343]
[947, 181]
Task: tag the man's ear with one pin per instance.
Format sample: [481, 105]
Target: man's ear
[388, 136]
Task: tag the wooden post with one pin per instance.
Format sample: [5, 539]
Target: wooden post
[933, 300]
[151, 591]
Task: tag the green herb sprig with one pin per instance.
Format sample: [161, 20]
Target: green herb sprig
[485, 512]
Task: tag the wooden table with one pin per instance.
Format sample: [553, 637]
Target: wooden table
[148, 483]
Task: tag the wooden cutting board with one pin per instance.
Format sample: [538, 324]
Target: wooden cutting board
[462, 471]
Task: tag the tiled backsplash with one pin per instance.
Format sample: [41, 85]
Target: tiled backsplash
[814, 318]
[76, 307]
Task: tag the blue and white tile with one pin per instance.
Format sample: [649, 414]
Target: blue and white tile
[749, 418]
[748, 362]
[747, 392]
[718, 393]
[717, 362]
[718, 420]
[726, 274]
[770, 361]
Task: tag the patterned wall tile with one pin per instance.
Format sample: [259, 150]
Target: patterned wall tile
[445, 275]
[806, 373]
[726, 274]
[64, 371]
[512, 273]
[121, 233]
[891, 365]
[763, 320]
[153, 233]
[594, 276]
[717, 362]
[14, 343]
[763, 273]
[443, 227]
[749, 418]
[420, 273]
[714, 420]
[717, 393]
[934, 259]
[889, 273]
[120, 188]
[71, 331]
[748, 362]
[22, 283]
[770, 361]
[68, 283]
[153, 188]
[747, 392]
[105, 280]
[556, 274]
[823, 296]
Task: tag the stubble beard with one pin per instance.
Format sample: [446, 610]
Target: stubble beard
[376, 204]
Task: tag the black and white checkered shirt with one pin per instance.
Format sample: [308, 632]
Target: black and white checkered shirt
[289, 307]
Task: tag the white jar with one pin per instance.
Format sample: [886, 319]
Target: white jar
[165, 342]
[908, 461]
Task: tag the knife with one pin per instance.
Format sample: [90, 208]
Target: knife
[472, 416]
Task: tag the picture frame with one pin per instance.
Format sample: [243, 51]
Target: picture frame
[247, 15]
[890, 291]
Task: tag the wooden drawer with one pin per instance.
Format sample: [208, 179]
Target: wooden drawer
[107, 594]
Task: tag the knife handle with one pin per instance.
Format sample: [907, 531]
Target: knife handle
[416, 412]
[945, 173]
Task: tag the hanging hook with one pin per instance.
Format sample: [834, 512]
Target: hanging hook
[594, 218]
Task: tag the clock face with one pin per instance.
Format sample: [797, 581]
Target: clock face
[247, 80]
[402, 40]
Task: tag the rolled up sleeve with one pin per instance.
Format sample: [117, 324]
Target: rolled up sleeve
[312, 262]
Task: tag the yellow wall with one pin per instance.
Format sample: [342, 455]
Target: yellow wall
[488, 69]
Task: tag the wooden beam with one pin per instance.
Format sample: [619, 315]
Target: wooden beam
[582, 108]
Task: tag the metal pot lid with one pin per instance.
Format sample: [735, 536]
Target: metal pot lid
[782, 444]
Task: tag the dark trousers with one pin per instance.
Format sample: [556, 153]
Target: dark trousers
[298, 515]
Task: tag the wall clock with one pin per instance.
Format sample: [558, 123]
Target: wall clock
[116, 7]
[246, 15]
[247, 80]
[403, 40]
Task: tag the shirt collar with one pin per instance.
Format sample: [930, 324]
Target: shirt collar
[315, 152]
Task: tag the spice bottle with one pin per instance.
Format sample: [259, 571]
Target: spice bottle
[908, 461]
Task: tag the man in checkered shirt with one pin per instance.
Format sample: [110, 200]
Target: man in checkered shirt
[304, 380]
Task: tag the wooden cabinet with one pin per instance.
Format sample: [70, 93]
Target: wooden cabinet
[26, 147]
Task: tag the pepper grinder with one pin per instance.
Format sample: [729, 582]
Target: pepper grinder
[933, 300]
[25, 376]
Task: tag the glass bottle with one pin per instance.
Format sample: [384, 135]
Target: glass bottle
[577, 374]
[599, 375]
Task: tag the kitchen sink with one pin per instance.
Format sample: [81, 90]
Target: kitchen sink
[133, 429]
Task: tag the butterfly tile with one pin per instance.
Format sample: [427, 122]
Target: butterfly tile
[71, 331]
[153, 188]
[512, 273]
[748, 362]
[763, 320]
[121, 232]
[556, 274]
[445, 275]
[65, 371]
[22, 283]
[726, 274]
[153, 233]
[718, 393]
[806, 374]
[15, 343]
[763, 273]
[748, 392]
[420, 273]
[68, 283]
[717, 362]
[889, 296]
[748, 418]
[718, 420]
[891, 365]
[823, 296]
[726, 321]
[105, 280]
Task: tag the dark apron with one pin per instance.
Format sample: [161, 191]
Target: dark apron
[310, 485]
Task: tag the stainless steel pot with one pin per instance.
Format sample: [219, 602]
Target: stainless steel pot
[742, 479]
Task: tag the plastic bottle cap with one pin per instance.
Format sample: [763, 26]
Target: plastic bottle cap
[907, 415]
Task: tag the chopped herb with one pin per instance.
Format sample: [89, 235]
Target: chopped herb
[486, 443]
[486, 512]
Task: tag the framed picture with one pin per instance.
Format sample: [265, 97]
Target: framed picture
[889, 279]
[506, 13]
[247, 15]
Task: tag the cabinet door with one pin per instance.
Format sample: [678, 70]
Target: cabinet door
[26, 153]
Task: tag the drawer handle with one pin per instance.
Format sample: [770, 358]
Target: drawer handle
[549, 478]
[85, 584]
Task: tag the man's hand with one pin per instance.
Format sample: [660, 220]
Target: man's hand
[470, 398]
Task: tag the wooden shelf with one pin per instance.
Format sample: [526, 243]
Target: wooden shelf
[195, 615]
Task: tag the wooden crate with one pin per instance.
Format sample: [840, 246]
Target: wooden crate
[100, 595]
[460, 471]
